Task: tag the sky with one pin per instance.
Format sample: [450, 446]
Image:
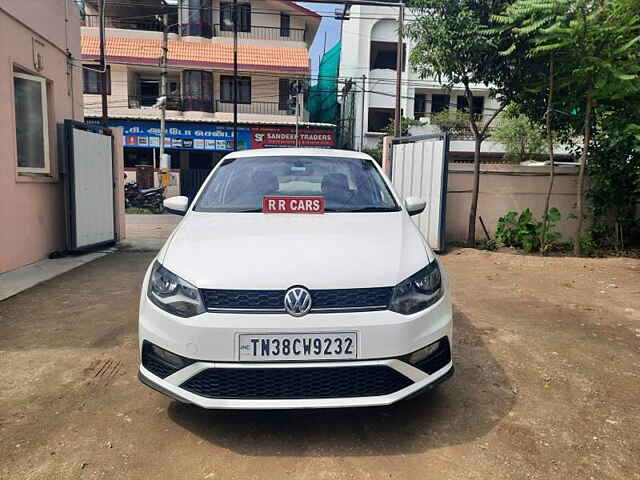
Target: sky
[329, 26]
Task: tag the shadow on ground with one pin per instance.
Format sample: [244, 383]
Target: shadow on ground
[466, 407]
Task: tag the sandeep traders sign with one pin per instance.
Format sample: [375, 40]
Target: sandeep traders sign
[267, 137]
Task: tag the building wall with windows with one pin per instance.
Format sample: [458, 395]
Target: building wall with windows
[273, 52]
[38, 90]
[370, 38]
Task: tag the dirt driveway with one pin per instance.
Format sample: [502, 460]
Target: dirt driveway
[547, 387]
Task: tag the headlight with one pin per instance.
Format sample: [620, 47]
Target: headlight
[173, 294]
[417, 292]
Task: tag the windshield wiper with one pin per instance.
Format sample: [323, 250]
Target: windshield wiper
[248, 210]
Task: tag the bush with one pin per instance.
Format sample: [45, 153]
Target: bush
[375, 153]
[522, 138]
[457, 123]
[523, 231]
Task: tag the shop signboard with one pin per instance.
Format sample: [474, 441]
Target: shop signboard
[269, 137]
[182, 136]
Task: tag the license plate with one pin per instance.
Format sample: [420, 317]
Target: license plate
[294, 346]
[279, 204]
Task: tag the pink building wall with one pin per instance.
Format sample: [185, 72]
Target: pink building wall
[32, 223]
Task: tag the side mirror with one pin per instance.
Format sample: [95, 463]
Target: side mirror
[414, 205]
[176, 205]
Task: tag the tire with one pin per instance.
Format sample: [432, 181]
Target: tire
[157, 208]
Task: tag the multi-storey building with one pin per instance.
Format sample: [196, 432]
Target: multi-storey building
[371, 38]
[274, 37]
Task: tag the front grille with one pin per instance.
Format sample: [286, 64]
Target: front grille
[348, 299]
[296, 383]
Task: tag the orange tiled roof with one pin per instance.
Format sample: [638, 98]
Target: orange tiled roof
[191, 54]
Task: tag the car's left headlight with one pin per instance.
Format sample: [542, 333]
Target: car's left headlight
[173, 294]
[417, 292]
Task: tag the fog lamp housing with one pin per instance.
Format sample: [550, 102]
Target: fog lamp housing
[161, 362]
[423, 353]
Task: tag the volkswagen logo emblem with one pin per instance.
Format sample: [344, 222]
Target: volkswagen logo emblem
[297, 301]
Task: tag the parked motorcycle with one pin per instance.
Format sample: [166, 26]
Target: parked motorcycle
[150, 198]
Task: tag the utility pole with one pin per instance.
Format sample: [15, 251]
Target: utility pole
[399, 64]
[364, 86]
[164, 164]
[103, 68]
[235, 75]
[297, 112]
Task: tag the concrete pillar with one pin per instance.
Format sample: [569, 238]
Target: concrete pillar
[386, 155]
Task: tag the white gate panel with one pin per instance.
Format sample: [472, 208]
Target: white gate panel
[90, 189]
[419, 169]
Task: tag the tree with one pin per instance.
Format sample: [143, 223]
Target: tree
[455, 43]
[521, 137]
[594, 47]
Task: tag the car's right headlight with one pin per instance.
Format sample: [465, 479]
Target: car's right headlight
[420, 290]
[173, 294]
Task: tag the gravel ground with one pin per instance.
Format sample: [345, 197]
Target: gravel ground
[150, 227]
[547, 383]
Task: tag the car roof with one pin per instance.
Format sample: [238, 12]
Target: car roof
[298, 152]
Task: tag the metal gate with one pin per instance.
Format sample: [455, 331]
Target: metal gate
[191, 180]
[419, 168]
[89, 186]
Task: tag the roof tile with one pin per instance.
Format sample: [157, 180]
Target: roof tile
[148, 51]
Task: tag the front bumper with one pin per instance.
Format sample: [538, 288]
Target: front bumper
[384, 339]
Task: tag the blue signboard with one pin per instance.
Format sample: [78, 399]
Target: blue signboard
[182, 136]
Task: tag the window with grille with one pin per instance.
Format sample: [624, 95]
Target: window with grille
[226, 17]
[477, 104]
[92, 77]
[226, 89]
[284, 93]
[439, 103]
[285, 25]
[198, 90]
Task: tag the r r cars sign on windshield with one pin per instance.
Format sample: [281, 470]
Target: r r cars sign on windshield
[306, 204]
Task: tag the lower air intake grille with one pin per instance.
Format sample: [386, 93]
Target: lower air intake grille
[296, 383]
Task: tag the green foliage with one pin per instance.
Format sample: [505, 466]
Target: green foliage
[594, 44]
[488, 244]
[521, 137]
[451, 122]
[405, 124]
[375, 153]
[523, 231]
[452, 44]
[614, 179]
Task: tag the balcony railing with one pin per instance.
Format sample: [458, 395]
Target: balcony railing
[151, 25]
[259, 108]
[147, 24]
[193, 104]
[148, 101]
[263, 33]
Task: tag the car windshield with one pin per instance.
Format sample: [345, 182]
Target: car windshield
[347, 184]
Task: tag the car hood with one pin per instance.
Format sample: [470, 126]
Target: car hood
[258, 251]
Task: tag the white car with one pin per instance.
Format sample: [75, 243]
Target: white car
[295, 280]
